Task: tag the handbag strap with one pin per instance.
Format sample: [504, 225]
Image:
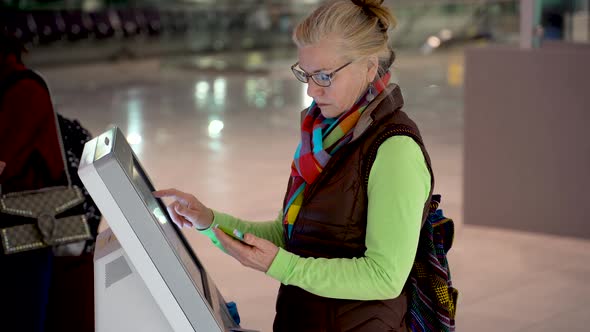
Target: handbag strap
[62, 148]
[19, 75]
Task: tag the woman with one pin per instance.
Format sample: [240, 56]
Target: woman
[345, 242]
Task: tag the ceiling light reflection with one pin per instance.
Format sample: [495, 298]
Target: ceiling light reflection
[219, 91]
[160, 216]
[201, 93]
[215, 128]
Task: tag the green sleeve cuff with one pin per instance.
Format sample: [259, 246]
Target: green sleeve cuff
[208, 232]
[218, 218]
[282, 265]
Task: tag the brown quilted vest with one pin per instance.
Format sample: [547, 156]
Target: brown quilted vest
[332, 223]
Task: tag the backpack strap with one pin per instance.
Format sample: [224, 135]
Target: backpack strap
[395, 130]
[391, 131]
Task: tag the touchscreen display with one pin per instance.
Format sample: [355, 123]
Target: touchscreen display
[172, 234]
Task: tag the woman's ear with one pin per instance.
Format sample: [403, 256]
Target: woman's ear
[372, 67]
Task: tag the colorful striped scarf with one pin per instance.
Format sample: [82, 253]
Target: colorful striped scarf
[321, 138]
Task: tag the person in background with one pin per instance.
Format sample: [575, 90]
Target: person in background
[39, 291]
[33, 160]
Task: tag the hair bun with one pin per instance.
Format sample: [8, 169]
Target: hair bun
[374, 8]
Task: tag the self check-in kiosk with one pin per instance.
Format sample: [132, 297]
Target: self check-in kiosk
[147, 277]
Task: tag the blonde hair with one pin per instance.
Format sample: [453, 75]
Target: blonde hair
[361, 26]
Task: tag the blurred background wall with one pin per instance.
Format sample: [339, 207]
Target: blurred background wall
[69, 31]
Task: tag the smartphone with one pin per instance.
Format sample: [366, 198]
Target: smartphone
[236, 234]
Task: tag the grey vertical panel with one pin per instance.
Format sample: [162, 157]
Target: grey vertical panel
[527, 147]
[116, 270]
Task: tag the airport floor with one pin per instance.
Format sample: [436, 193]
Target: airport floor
[225, 128]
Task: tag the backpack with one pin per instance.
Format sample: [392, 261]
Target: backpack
[432, 299]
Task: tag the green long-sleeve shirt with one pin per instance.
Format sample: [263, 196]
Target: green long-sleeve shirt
[399, 184]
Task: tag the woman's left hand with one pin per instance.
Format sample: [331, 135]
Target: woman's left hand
[258, 254]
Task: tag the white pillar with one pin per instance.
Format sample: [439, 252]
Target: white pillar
[527, 18]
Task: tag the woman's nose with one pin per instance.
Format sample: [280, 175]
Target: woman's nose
[314, 90]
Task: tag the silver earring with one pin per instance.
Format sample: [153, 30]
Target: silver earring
[371, 93]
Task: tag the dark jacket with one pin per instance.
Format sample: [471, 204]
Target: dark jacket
[332, 223]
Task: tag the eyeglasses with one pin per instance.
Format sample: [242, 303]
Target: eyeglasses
[321, 79]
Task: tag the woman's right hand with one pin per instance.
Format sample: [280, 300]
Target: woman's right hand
[186, 210]
[2, 165]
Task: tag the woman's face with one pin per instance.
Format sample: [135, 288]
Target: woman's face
[347, 84]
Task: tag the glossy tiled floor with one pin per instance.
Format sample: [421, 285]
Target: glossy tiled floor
[173, 110]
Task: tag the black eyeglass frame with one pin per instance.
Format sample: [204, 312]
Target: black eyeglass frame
[307, 76]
